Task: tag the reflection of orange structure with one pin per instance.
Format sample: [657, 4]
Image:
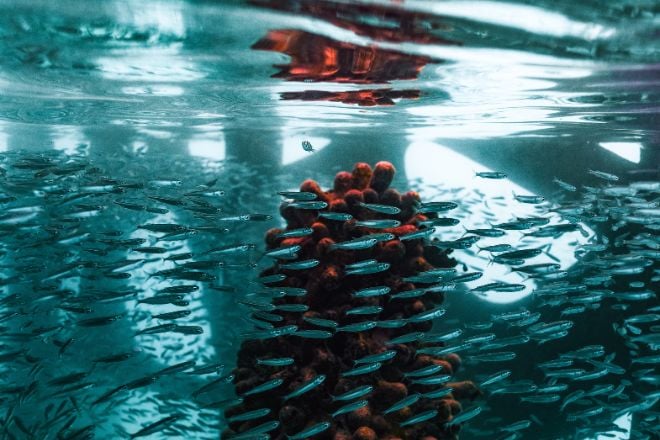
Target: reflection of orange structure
[369, 97]
[317, 58]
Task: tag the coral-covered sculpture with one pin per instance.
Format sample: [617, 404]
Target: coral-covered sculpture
[338, 356]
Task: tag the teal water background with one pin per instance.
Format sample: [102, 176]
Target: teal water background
[191, 91]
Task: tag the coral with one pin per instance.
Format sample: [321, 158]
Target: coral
[330, 293]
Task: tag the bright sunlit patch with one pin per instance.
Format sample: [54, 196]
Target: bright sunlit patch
[630, 151]
[68, 139]
[449, 176]
[165, 16]
[208, 148]
[623, 422]
[293, 151]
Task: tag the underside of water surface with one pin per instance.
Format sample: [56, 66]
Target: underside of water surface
[360, 220]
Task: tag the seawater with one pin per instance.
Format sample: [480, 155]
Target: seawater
[142, 149]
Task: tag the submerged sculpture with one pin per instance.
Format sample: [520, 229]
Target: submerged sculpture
[343, 352]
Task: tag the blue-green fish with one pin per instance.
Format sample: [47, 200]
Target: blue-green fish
[371, 291]
[378, 224]
[295, 233]
[364, 310]
[380, 357]
[356, 244]
[424, 371]
[392, 323]
[357, 327]
[311, 205]
[327, 323]
[442, 337]
[427, 315]
[269, 385]
[276, 362]
[419, 418]
[496, 377]
[298, 195]
[436, 207]
[362, 369]
[407, 294]
[368, 270]
[336, 216]
[313, 334]
[406, 338]
[406, 401]
[350, 407]
[433, 380]
[250, 415]
[465, 416]
[260, 429]
[311, 431]
[436, 394]
[362, 263]
[494, 357]
[603, 175]
[355, 393]
[285, 251]
[383, 209]
[532, 200]
[490, 174]
[293, 308]
[424, 233]
[300, 265]
[305, 387]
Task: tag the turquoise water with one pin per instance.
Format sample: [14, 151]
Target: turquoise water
[118, 115]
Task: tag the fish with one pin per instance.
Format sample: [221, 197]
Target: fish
[309, 205]
[383, 209]
[406, 401]
[419, 418]
[368, 270]
[276, 362]
[295, 233]
[364, 310]
[336, 216]
[362, 369]
[311, 431]
[305, 387]
[379, 357]
[250, 415]
[356, 244]
[286, 251]
[565, 186]
[300, 265]
[439, 222]
[350, 407]
[436, 207]
[378, 224]
[493, 232]
[313, 334]
[421, 234]
[424, 371]
[307, 146]
[266, 386]
[371, 291]
[495, 377]
[491, 174]
[529, 199]
[357, 327]
[604, 176]
[298, 195]
[327, 323]
[432, 380]
[355, 393]
[406, 338]
[464, 416]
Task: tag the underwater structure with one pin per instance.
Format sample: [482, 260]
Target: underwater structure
[342, 350]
